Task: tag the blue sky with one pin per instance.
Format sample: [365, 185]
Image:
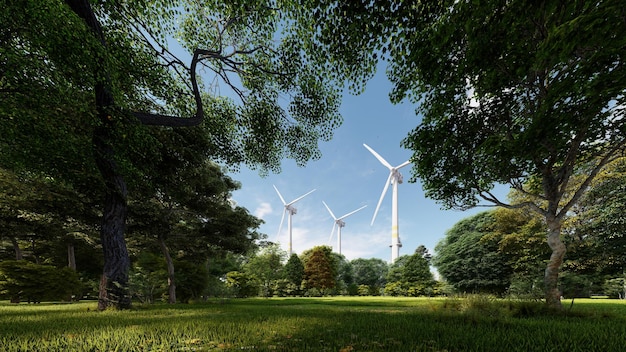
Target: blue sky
[347, 177]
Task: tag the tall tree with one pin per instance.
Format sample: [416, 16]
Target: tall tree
[103, 69]
[294, 270]
[509, 91]
[320, 268]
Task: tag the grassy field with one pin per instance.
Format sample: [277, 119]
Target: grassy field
[317, 324]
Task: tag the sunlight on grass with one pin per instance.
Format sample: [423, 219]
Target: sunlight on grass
[317, 324]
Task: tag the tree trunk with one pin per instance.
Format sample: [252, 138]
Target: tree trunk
[171, 283]
[551, 278]
[114, 283]
[71, 257]
[17, 249]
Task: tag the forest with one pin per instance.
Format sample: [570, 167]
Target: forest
[115, 147]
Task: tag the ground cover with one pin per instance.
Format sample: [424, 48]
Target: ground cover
[317, 324]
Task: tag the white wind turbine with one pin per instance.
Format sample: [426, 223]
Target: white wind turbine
[339, 223]
[291, 210]
[395, 178]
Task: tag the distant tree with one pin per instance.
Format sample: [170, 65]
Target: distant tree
[396, 269]
[242, 284]
[410, 275]
[600, 224]
[294, 270]
[370, 272]
[266, 266]
[467, 259]
[417, 268]
[320, 269]
[345, 275]
[192, 280]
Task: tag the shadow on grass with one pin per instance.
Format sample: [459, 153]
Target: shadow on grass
[312, 324]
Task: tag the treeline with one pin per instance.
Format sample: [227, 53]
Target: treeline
[321, 272]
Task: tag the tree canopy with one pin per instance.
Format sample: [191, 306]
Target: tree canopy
[80, 80]
[470, 261]
[509, 92]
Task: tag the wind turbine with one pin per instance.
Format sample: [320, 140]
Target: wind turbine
[339, 223]
[395, 178]
[291, 210]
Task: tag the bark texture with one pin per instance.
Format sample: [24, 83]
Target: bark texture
[551, 278]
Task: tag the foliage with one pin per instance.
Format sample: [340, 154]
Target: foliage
[81, 79]
[369, 272]
[242, 284]
[599, 222]
[320, 268]
[510, 93]
[615, 288]
[23, 280]
[148, 277]
[294, 270]
[266, 267]
[192, 280]
[469, 260]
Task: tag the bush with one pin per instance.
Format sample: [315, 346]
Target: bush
[23, 280]
[394, 289]
[192, 280]
[313, 292]
[148, 277]
[242, 284]
[363, 290]
[614, 288]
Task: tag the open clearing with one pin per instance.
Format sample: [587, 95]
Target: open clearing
[318, 324]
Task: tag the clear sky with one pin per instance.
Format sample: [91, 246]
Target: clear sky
[347, 177]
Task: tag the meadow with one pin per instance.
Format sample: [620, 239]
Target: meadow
[318, 324]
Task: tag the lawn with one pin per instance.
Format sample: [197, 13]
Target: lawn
[317, 324]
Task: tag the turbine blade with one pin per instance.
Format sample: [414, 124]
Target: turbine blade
[302, 196]
[330, 211]
[380, 158]
[280, 227]
[403, 164]
[382, 195]
[350, 213]
[331, 233]
[281, 197]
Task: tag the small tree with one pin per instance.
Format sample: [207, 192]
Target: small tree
[320, 270]
[294, 272]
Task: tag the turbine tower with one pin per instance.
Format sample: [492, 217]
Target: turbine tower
[395, 178]
[339, 223]
[292, 211]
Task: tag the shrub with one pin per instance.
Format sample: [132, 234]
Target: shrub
[614, 288]
[192, 280]
[242, 284]
[394, 289]
[23, 280]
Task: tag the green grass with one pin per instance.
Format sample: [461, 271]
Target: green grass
[318, 324]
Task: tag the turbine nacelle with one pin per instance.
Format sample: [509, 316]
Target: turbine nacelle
[289, 208]
[339, 224]
[394, 178]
